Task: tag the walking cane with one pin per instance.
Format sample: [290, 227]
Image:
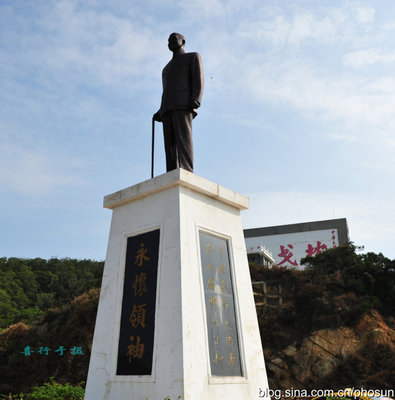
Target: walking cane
[153, 147]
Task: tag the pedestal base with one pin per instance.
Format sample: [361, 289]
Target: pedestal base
[205, 339]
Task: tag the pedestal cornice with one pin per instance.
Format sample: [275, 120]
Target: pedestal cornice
[177, 177]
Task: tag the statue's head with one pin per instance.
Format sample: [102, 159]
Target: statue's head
[176, 41]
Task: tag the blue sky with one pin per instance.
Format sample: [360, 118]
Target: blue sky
[297, 113]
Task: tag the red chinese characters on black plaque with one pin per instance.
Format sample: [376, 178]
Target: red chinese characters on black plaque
[136, 337]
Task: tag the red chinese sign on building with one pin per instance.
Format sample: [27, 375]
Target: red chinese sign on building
[286, 255]
[291, 253]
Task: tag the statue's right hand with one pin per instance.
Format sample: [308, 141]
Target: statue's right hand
[157, 117]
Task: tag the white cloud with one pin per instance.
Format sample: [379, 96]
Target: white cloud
[307, 26]
[203, 8]
[354, 101]
[88, 45]
[275, 31]
[200, 11]
[36, 171]
[271, 59]
[322, 24]
[365, 14]
[368, 57]
[343, 138]
[388, 28]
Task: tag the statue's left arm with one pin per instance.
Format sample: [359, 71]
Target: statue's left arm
[197, 81]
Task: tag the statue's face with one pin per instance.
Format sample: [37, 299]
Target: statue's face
[175, 42]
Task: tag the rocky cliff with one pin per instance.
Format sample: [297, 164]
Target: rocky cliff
[359, 356]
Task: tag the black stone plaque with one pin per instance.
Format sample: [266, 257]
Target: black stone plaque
[220, 309]
[136, 337]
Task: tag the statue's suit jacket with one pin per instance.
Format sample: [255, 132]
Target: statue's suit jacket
[183, 82]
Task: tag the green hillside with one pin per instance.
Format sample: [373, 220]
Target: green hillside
[335, 328]
[69, 328]
[29, 287]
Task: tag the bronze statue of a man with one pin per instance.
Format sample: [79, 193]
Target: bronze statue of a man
[182, 80]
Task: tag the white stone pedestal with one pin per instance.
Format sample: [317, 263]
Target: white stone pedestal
[185, 361]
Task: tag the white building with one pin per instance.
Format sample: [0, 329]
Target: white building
[288, 244]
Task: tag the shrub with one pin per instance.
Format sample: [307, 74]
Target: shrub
[56, 391]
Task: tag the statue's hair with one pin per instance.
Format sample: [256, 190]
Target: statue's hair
[180, 35]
